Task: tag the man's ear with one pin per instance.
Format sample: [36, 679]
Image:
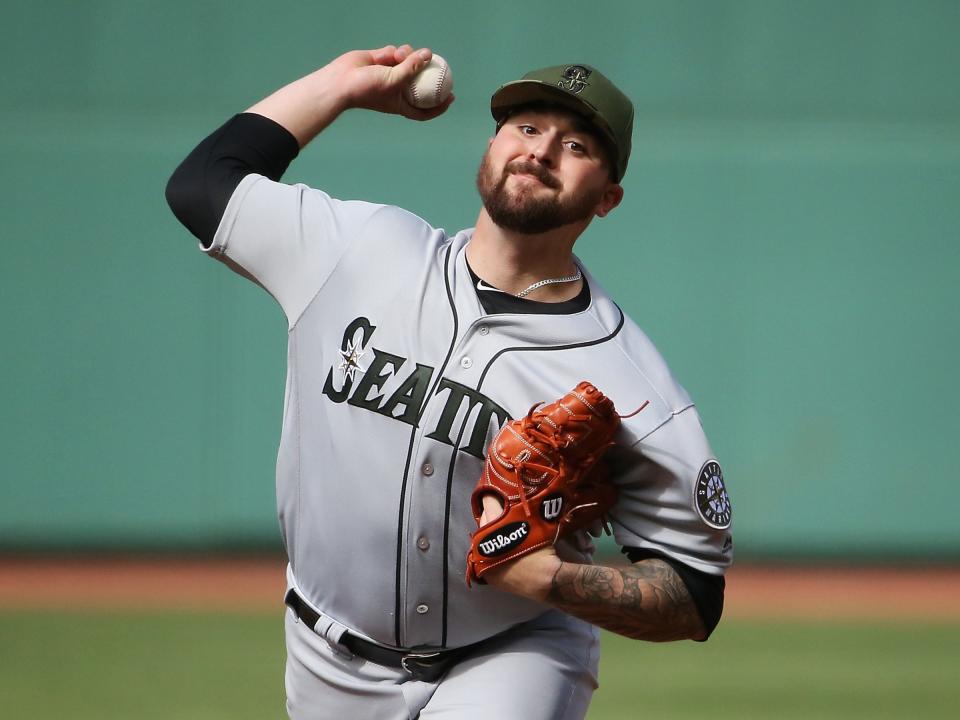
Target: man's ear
[611, 197]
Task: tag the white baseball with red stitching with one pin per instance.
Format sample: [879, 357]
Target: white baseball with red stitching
[431, 86]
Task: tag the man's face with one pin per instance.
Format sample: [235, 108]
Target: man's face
[544, 170]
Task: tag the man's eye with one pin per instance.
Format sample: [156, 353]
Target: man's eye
[528, 130]
[577, 147]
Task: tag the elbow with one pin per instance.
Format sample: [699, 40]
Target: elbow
[188, 202]
[703, 630]
[180, 197]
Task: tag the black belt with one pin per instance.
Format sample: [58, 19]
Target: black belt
[427, 665]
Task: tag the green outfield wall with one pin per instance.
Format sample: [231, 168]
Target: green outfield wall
[789, 239]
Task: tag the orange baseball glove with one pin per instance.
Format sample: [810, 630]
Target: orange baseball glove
[544, 470]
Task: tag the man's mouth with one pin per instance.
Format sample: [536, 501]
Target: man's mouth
[532, 171]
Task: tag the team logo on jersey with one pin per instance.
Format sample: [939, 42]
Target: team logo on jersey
[710, 496]
[504, 539]
[351, 359]
[398, 388]
[575, 79]
[551, 507]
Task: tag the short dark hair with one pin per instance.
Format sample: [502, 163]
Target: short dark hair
[582, 124]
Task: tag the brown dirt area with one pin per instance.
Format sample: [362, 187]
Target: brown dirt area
[257, 584]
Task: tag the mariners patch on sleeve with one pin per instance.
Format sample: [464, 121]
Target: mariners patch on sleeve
[710, 496]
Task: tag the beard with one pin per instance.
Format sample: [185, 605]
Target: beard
[524, 212]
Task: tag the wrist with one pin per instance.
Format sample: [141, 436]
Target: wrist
[560, 573]
[551, 568]
[530, 577]
[331, 93]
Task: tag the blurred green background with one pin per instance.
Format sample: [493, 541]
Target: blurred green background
[789, 240]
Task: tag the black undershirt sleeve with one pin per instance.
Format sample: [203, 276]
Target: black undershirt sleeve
[706, 590]
[200, 188]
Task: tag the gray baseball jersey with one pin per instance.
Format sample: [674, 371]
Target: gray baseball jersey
[396, 382]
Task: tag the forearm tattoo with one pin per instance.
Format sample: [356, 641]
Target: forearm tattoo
[646, 600]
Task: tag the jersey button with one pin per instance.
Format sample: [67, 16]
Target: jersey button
[423, 609]
[423, 543]
[484, 330]
[466, 363]
[428, 469]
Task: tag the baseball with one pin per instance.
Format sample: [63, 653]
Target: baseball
[431, 86]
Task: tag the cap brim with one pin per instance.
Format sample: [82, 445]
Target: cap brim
[522, 92]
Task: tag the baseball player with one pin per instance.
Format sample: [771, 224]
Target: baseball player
[409, 348]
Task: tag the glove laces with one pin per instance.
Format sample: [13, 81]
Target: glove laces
[553, 442]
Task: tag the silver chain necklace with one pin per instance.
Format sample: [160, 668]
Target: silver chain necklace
[550, 281]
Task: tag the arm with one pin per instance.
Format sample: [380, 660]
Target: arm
[267, 137]
[370, 79]
[647, 600]
[202, 185]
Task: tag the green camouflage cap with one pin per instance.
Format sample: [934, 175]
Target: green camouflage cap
[580, 88]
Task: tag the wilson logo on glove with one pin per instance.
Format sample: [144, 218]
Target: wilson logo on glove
[551, 507]
[505, 539]
[545, 469]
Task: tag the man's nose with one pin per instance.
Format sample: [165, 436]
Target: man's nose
[546, 148]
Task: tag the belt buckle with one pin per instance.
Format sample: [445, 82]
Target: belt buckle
[417, 669]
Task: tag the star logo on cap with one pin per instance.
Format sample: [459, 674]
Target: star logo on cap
[351, 360]
[574, 79]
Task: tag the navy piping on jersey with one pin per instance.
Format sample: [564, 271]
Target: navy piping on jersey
[550, 348]
[456, 327]
[446, 527]
[406, 471]
[403, 494]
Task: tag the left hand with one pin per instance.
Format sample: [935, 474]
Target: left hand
[529, 576]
